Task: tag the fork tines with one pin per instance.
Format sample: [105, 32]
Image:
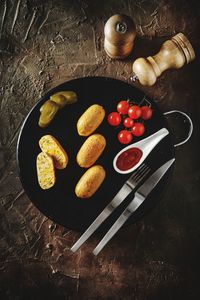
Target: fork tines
[138, 175]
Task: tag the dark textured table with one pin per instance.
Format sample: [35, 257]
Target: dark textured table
[42, 44]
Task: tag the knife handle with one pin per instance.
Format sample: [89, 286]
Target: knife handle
[117, 200]
[92, 228]
[113, 230]
[133, 206]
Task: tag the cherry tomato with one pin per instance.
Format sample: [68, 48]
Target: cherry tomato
[138, 129]
[128, 122]
[123, 107]
[114, 118]
[124, 137]
[146, 112]
[134, 112]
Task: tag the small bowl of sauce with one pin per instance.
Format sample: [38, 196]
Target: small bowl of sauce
[132, 156]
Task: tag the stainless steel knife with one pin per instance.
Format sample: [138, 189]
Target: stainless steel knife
[126, 189]
[139, 198]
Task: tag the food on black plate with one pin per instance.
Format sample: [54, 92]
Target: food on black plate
[128, 122]
[64, 97]
[132, 117]
[134, 112]
[123, 107]
[57, 101]
[146, 112]
[114, 118]
[48, 111]
[129, 158]
[138, 129]
[90, 120]
[124, 137]
[45, 171]
[91, 150]
[51, 146]
[90, 182]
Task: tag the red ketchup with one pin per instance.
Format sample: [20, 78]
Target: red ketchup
[128, 159]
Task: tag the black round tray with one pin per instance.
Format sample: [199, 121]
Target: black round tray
[60, 202]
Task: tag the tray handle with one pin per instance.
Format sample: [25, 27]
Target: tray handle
[190, 121]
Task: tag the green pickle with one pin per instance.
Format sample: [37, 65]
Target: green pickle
[48, 112]
[63, 98]
[57, 101]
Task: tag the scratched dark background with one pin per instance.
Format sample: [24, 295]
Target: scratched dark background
[42, 44]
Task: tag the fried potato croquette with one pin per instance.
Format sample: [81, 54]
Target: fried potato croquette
[90, 120]
[90, 151]
[51, 146]
[45, 171]
[90, 182]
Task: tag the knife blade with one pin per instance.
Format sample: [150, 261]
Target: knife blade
[139, 198]
[125, 190]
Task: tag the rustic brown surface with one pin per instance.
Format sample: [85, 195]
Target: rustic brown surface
[42, 44]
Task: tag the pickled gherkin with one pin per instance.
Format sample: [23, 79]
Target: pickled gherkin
[63, 98]
[57, 101]
[48, 111]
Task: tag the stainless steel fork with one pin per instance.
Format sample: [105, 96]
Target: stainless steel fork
[126, 189]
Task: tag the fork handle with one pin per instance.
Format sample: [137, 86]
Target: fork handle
[97, 222]
[117, 200]
[112, 231]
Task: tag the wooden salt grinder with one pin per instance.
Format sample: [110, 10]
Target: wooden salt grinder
[173, 54]
[120, 32]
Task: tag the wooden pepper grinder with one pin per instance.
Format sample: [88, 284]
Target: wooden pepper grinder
[173, 54]
[120, 32]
